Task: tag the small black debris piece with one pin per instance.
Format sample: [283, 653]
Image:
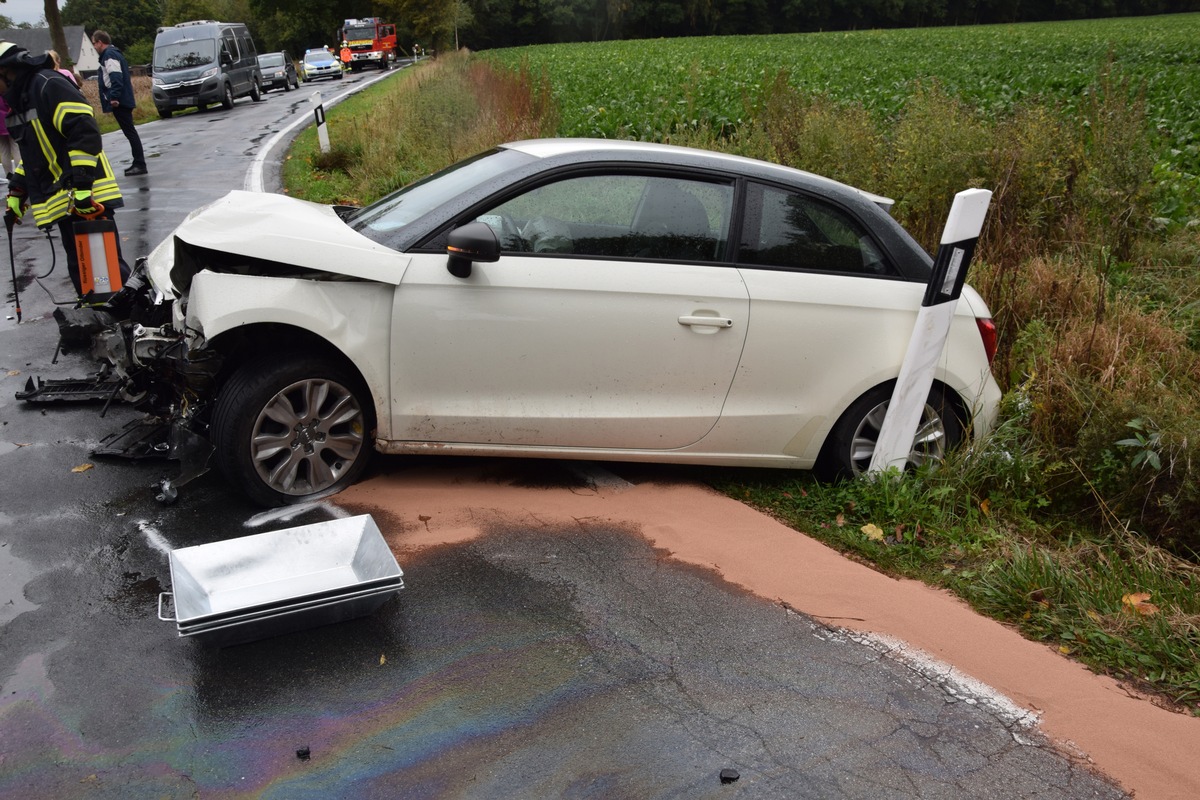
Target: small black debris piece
[304, 753]
[729, 775]
[168, 495]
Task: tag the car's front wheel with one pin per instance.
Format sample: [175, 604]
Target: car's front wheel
[293, 429]
[851, 443]
[227, 98]
[256, 92]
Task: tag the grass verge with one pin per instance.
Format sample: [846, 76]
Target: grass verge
[425, 118]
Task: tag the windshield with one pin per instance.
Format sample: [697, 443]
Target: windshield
[417, 199]
[317, 58]
[360, 33]
[271, 60]
[181, 55]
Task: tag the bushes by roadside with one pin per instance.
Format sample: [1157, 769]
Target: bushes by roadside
[1112, 378]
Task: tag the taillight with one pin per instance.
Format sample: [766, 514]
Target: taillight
[987, 332]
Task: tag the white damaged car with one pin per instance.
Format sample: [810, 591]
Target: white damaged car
[583, 299]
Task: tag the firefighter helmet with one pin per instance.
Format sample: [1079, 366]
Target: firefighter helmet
[10, 54]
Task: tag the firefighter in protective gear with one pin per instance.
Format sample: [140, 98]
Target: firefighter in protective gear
[64, 174]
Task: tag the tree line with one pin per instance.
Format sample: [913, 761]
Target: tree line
[484, 24]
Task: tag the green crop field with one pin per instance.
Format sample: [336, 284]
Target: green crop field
[647, 89]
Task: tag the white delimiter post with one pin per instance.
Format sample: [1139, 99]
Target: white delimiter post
[319, 114]
[929, 334]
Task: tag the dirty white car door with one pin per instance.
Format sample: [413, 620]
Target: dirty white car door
[605, 323]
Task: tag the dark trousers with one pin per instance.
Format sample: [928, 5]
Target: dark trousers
[125, 120]
[66, 230]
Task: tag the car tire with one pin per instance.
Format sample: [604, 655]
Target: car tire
[288, 430]
[256, 92]
[848, 448]
[165, 113]
[227, 98]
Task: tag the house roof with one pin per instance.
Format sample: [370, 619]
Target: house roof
[37, 40]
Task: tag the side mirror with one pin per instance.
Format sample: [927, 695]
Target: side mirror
[475, 241]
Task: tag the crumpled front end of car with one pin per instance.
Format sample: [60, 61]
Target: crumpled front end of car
[166, 371]
[251, 276]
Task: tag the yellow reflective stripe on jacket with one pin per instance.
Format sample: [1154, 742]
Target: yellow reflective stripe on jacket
[62, 109]
[106, 189]
[81, 159]
[105, 185]
[52, 209]
[59, 205]
[48, 154]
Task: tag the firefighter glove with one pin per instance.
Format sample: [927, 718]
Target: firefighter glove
[83, 204]
[15, 210]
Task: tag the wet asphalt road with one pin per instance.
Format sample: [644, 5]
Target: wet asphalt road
[572, 662]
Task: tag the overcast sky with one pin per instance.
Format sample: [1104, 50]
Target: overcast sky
[31, 11]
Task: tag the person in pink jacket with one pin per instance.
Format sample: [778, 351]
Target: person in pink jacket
[8, 147]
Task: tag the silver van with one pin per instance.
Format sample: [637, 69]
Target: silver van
[203, 62]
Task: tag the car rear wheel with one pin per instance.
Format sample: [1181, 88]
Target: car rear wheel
[293, 429]
[851, 443]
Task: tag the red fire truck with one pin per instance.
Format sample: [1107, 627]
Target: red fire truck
[367, 42]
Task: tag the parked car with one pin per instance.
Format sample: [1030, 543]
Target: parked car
[320, 63]
[278, 71]
[559, 298]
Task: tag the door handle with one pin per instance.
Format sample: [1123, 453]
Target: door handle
[707, 322]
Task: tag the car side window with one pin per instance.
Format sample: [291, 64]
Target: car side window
[618, 216]
[789, 229]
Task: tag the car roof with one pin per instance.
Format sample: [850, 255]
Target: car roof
[604, 149]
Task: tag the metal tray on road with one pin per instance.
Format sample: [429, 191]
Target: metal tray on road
[237, 590]
[288, 608]
[291, 620]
